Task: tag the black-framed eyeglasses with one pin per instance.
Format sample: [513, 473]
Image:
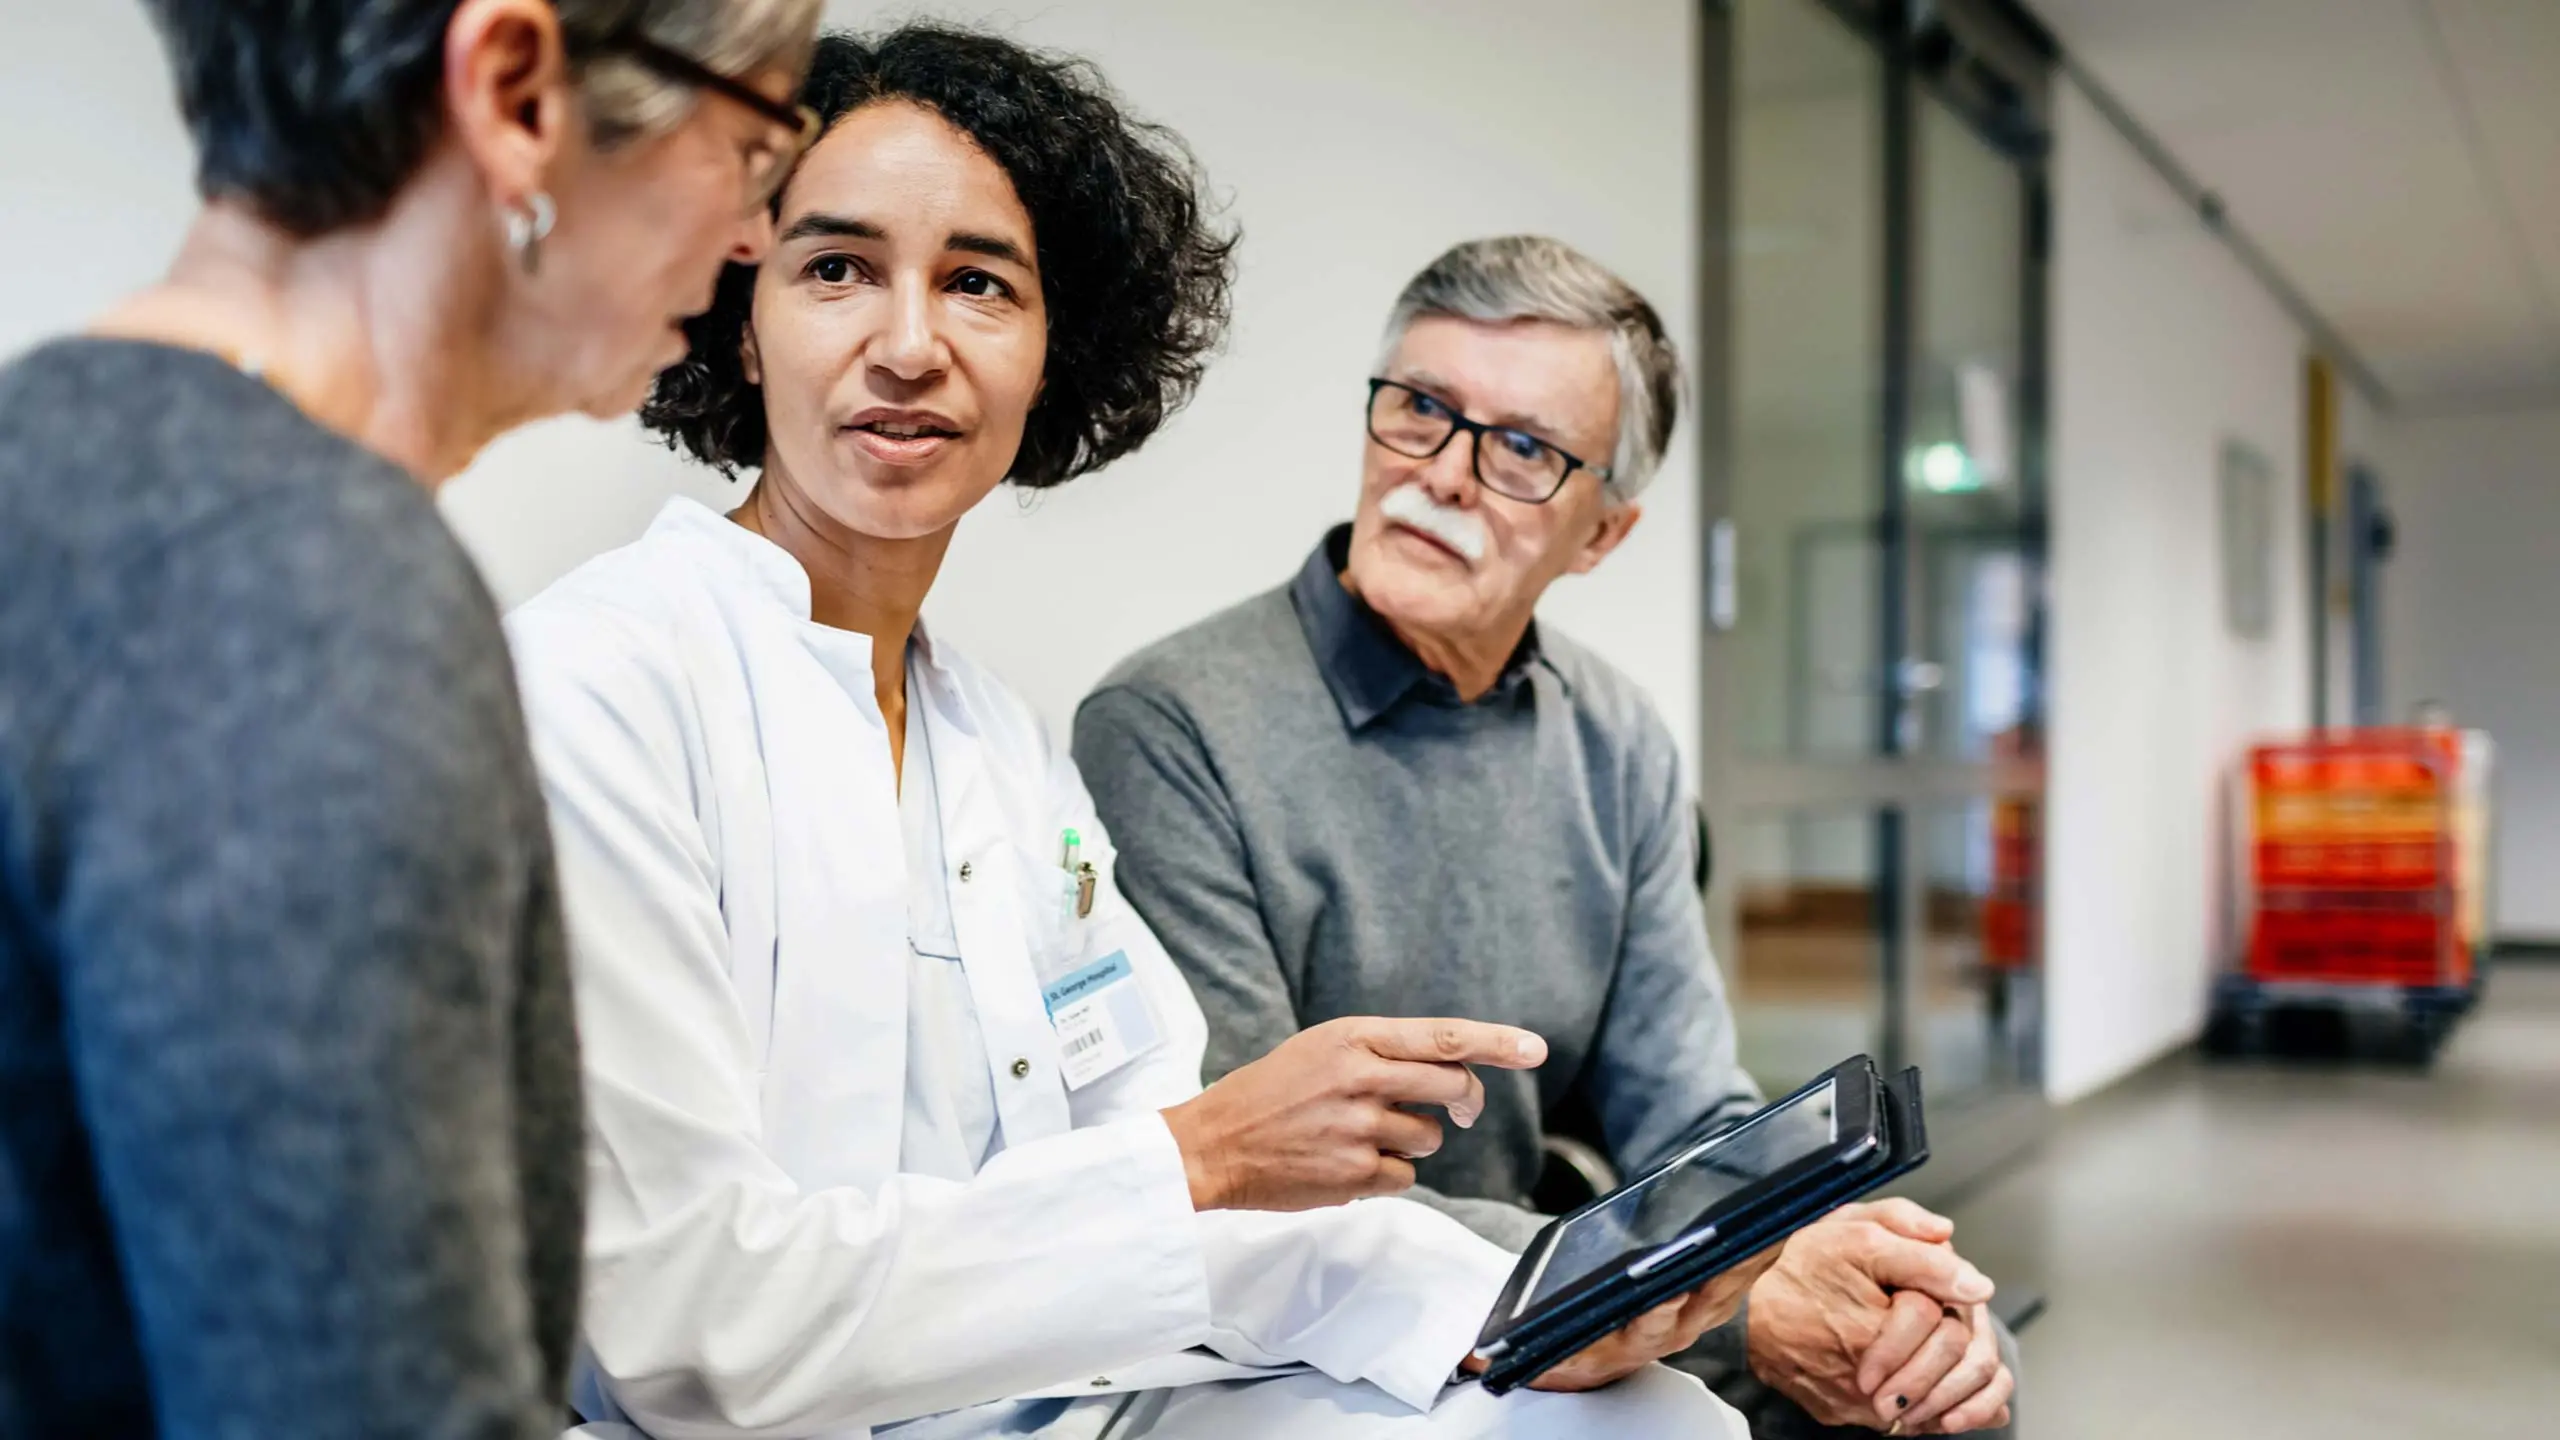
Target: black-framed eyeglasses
[765, 177]
[1418, 425]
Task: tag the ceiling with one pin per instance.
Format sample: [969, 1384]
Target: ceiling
[2399, 160]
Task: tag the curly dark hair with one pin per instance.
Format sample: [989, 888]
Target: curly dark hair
[1136, 271]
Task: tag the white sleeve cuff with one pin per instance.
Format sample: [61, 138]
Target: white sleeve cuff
[1386, 1291]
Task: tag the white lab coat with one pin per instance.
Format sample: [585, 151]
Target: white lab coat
[735, 880]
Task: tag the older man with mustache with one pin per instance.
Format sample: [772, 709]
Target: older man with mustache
[1385, 789]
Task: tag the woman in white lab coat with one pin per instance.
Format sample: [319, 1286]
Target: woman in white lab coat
[896, 1119]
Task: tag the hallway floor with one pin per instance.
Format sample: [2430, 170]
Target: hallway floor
[2238, 1252]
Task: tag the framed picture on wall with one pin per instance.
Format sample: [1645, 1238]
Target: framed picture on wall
[2248, 540]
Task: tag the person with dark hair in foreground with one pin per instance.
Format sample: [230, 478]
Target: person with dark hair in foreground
[289, 1098]
[896, 1103]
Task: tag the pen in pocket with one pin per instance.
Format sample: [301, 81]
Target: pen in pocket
[1081, 877]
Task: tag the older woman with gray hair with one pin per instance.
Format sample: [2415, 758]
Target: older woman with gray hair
[289, 1107]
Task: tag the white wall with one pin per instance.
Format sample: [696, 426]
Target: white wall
[2471, 615]
[1572, 120]
[95, 174]
[2163, 347]
[1311, 118]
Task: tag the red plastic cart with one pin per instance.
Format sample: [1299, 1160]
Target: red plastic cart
[2362, 853]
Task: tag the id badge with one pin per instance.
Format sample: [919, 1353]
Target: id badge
[1102, 1019]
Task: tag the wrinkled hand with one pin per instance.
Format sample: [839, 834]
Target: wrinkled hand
[1318, 1120]
[1872, 1282]
[1944, 1360]
[1666, 1329]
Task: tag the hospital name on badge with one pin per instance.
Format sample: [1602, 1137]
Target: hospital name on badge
[1102, 1019]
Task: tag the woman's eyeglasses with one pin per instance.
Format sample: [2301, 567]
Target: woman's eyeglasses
[766, 174]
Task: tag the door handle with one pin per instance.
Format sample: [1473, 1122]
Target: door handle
[1724, 585]
[1919, 677]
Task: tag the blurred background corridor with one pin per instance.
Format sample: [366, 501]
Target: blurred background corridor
[2307, 1250]
[2106, 599]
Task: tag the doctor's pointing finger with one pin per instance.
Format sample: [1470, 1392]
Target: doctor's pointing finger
[1319, 1120]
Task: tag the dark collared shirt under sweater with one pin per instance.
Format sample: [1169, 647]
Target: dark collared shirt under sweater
[1317, 825]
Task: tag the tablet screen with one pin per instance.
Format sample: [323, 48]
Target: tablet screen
[1661, 1208]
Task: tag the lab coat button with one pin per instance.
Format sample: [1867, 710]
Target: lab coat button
[1021, 1068]
[965, 871]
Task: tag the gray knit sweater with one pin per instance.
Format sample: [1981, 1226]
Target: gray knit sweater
[289, 1128]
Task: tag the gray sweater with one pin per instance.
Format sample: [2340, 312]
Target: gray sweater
[1316, 826]
[289, 1127]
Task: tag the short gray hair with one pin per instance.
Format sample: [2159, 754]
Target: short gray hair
[1531, 277]
[626, 100]
[317, 113]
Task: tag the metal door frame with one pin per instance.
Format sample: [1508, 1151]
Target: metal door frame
[2369, 545]
[1991, 64]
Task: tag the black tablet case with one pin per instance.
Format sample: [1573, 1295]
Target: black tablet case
[1906, 1146]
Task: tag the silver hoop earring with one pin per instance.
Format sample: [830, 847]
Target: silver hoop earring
[529, 223]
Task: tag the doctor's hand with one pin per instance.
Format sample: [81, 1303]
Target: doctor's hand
[1319, 1120]
[1873, 1319]
[1665, 1330]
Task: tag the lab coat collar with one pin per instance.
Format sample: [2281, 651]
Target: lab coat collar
[767, 569]
[751, 558]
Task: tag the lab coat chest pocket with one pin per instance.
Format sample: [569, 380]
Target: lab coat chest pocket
[1046, 892]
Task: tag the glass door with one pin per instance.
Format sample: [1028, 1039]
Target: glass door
[1971, 674]
[1804, 566]
[1871, 412]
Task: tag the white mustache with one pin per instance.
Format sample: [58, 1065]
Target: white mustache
[1460, 530]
